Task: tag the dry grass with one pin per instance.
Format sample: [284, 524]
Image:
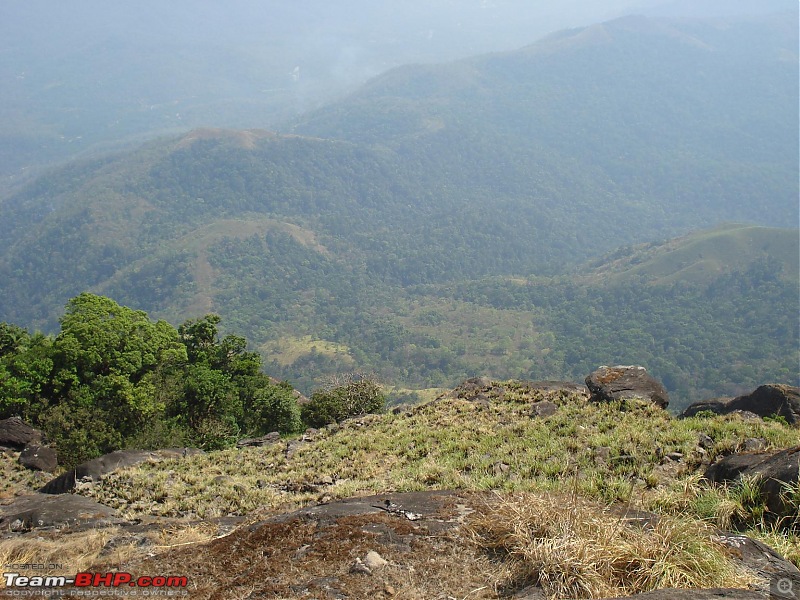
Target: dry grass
[449, 444]
[16, 479]
[57, 554]
[574, 548]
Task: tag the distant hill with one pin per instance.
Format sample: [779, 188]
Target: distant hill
[391, 229]
[692, 119]
[701, 257]
[86, 77]
[710, 313]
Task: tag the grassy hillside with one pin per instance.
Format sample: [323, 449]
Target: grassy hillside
[593, 462]
[700, 257]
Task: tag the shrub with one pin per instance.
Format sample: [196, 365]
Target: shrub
[272, 408]
[347, 396]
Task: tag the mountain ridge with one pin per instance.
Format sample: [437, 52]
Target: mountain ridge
[536, 171]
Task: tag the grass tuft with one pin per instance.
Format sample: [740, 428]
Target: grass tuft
[575, 548]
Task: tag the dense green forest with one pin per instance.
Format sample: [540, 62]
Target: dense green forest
[112, 378]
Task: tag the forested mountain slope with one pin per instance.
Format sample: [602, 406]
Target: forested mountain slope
[363, 236]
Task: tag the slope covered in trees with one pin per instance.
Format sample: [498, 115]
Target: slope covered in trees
[397, 228]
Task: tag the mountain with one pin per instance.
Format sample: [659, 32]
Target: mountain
[695, 117]
[98, 75]
[360, 238]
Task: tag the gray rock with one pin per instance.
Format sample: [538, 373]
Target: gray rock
[39, 458]
[622, 382]
[705, 441]
[532, 592]
[683, 594]
[47, 511]
[764, 561]
[755, 444]
[359, 568]
[374, 561]
[713, 405]
[264, 440]
[97, 468]
[774, 470]
[16, 433]
[765, 401]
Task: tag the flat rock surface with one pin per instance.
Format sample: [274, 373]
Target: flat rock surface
[46, 511]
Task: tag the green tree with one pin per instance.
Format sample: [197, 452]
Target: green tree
[25, 371]
[270, 407]
[102, 355]
[347, 396]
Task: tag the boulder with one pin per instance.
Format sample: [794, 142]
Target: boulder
[766, 401]
[97, 468]
[714, 405]
[622, 382]
[39, 458]
[46, 511]
[730, 467]
[16, 433]
[774, 470]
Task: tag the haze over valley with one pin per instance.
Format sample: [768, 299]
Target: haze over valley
[460, 189]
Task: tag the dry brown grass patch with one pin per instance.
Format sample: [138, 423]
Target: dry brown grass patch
[574, 548]
[59, 554]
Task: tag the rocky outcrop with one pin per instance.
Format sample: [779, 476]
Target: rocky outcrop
[264, 440]
[766, 401]
[16, 433]
[96, 469]
[39, 458]
[45, 511]
[368, 547]
[621, 382]
[774, 471]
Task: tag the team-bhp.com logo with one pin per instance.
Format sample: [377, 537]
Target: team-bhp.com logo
[94, 580]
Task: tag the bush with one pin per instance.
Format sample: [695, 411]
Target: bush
[79, 433]
[272, 408]
[347, 396]
[216, 433]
